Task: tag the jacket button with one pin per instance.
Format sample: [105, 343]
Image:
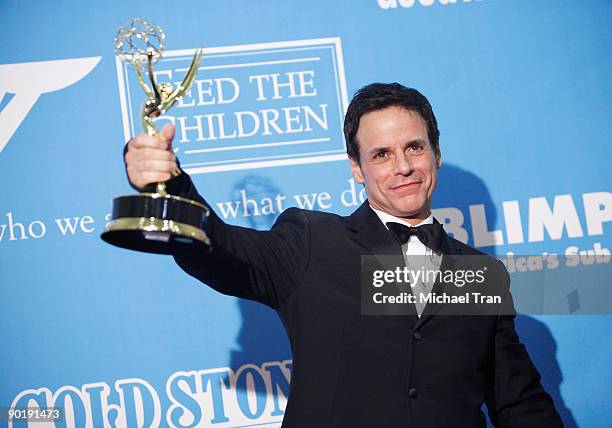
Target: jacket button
[412, 393]
[417, 335]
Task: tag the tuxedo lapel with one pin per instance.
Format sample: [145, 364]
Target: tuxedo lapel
[451, 261]
[366, 229]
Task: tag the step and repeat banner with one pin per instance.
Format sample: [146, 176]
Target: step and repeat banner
[522, 92]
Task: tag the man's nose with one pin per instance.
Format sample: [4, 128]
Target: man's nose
[402, 164]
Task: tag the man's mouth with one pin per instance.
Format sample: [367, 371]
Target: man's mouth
[408, 185]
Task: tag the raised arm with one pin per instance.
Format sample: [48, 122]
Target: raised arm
[264, 266]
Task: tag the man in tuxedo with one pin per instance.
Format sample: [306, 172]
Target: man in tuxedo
[425, 367]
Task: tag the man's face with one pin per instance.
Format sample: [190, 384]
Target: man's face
[397, 164]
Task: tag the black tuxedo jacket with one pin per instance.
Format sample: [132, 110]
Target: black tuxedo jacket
[353, 370]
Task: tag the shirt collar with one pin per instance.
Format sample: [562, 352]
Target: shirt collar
[386, 217]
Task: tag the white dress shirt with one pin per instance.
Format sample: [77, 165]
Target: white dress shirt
[414, 247]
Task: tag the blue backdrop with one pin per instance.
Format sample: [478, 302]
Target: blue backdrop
[521, 90]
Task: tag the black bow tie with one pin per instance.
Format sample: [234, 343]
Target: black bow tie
[431, 235]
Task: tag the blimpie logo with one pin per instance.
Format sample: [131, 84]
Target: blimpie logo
[393, 4]
[251, 106]
[22, 84]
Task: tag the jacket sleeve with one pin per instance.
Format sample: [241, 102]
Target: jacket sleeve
[515, 396]
[263, 266]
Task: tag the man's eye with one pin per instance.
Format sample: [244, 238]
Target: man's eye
[415, 147]
[380, 155]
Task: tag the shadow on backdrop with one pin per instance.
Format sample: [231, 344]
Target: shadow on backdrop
[543, 351]
[536, 336]
[262, 337]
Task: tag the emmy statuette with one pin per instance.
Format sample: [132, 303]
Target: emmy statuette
[155, 222]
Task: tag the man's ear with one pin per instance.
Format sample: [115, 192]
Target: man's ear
[356, 170]
[438, 160]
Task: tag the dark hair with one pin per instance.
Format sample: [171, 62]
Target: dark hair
[378, 96]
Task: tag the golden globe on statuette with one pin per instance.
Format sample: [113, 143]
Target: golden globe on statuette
[155, 222]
